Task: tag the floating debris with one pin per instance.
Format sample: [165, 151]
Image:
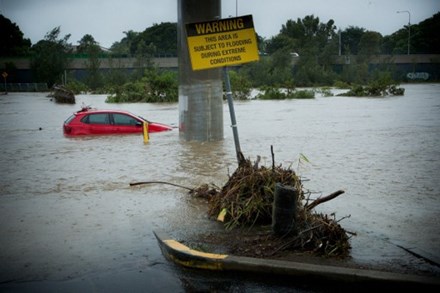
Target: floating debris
[247, 201]
[63, 95]
[246, 205]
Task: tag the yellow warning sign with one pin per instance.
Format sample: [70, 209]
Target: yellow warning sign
[222, 42]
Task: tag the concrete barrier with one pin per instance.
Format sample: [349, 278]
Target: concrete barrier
[187, 257]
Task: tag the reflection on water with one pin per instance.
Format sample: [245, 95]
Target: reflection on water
[384, 152]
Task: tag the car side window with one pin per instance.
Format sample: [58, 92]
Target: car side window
[122, 119]
[101, 118]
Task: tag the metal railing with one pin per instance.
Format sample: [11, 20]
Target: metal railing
[25, 87]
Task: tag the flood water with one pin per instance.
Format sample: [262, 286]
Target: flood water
[69, 217]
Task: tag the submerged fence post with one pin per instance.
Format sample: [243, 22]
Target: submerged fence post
[284, 209]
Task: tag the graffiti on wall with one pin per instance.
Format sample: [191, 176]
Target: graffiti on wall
[417, 75]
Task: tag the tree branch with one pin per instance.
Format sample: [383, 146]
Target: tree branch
[324, 199]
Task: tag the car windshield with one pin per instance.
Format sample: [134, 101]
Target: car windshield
[142, 118]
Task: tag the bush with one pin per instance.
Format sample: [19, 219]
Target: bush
[270, 93]
[240, 85]
[325, 91]
[130, 92]
[303, 94]
[341, 84]
[153, 88]
[374, 90]
[275, 93]
[163, 87]
[77, 87]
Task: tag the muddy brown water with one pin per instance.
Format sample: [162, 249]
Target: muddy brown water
[69, 218]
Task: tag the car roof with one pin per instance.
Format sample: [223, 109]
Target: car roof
[88, 110]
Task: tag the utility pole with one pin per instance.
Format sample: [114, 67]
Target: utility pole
[236, 7]
[340, 49]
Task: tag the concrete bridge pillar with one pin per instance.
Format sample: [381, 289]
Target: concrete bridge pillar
[200, 92]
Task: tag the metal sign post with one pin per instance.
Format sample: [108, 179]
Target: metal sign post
[232, 114]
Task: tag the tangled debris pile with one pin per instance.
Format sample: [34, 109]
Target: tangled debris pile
[63, 95]
[246, 201]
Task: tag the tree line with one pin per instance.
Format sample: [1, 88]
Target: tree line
[316, 44]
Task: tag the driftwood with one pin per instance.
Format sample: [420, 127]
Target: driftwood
[63, 95]
[160, 182]
[324, 199]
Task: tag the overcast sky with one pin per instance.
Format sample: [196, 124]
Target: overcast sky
[106, 20]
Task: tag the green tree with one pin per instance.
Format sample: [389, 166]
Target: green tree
[12, 42]
[49, 57]
[397, 43]
[144, 58]
[88, 45]
[240, 85]
[162, 86]
[258, 73]
[316, 43]
[124, 46]
[425, 37]
[355, 73]
[388, 45]
[87, 42]
[309, 31]
[281, 67]
[154, 87]
[280, 42]
[114, 77]
[370, 44]
[162, 36]
[308, 72]
[261, 43]
[350, 39]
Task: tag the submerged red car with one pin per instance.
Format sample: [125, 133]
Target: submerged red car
[88, 121]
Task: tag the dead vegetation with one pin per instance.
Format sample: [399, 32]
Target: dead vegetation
[245, 203]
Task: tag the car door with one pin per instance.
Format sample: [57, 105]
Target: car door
[126, 123]
[98, 123]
